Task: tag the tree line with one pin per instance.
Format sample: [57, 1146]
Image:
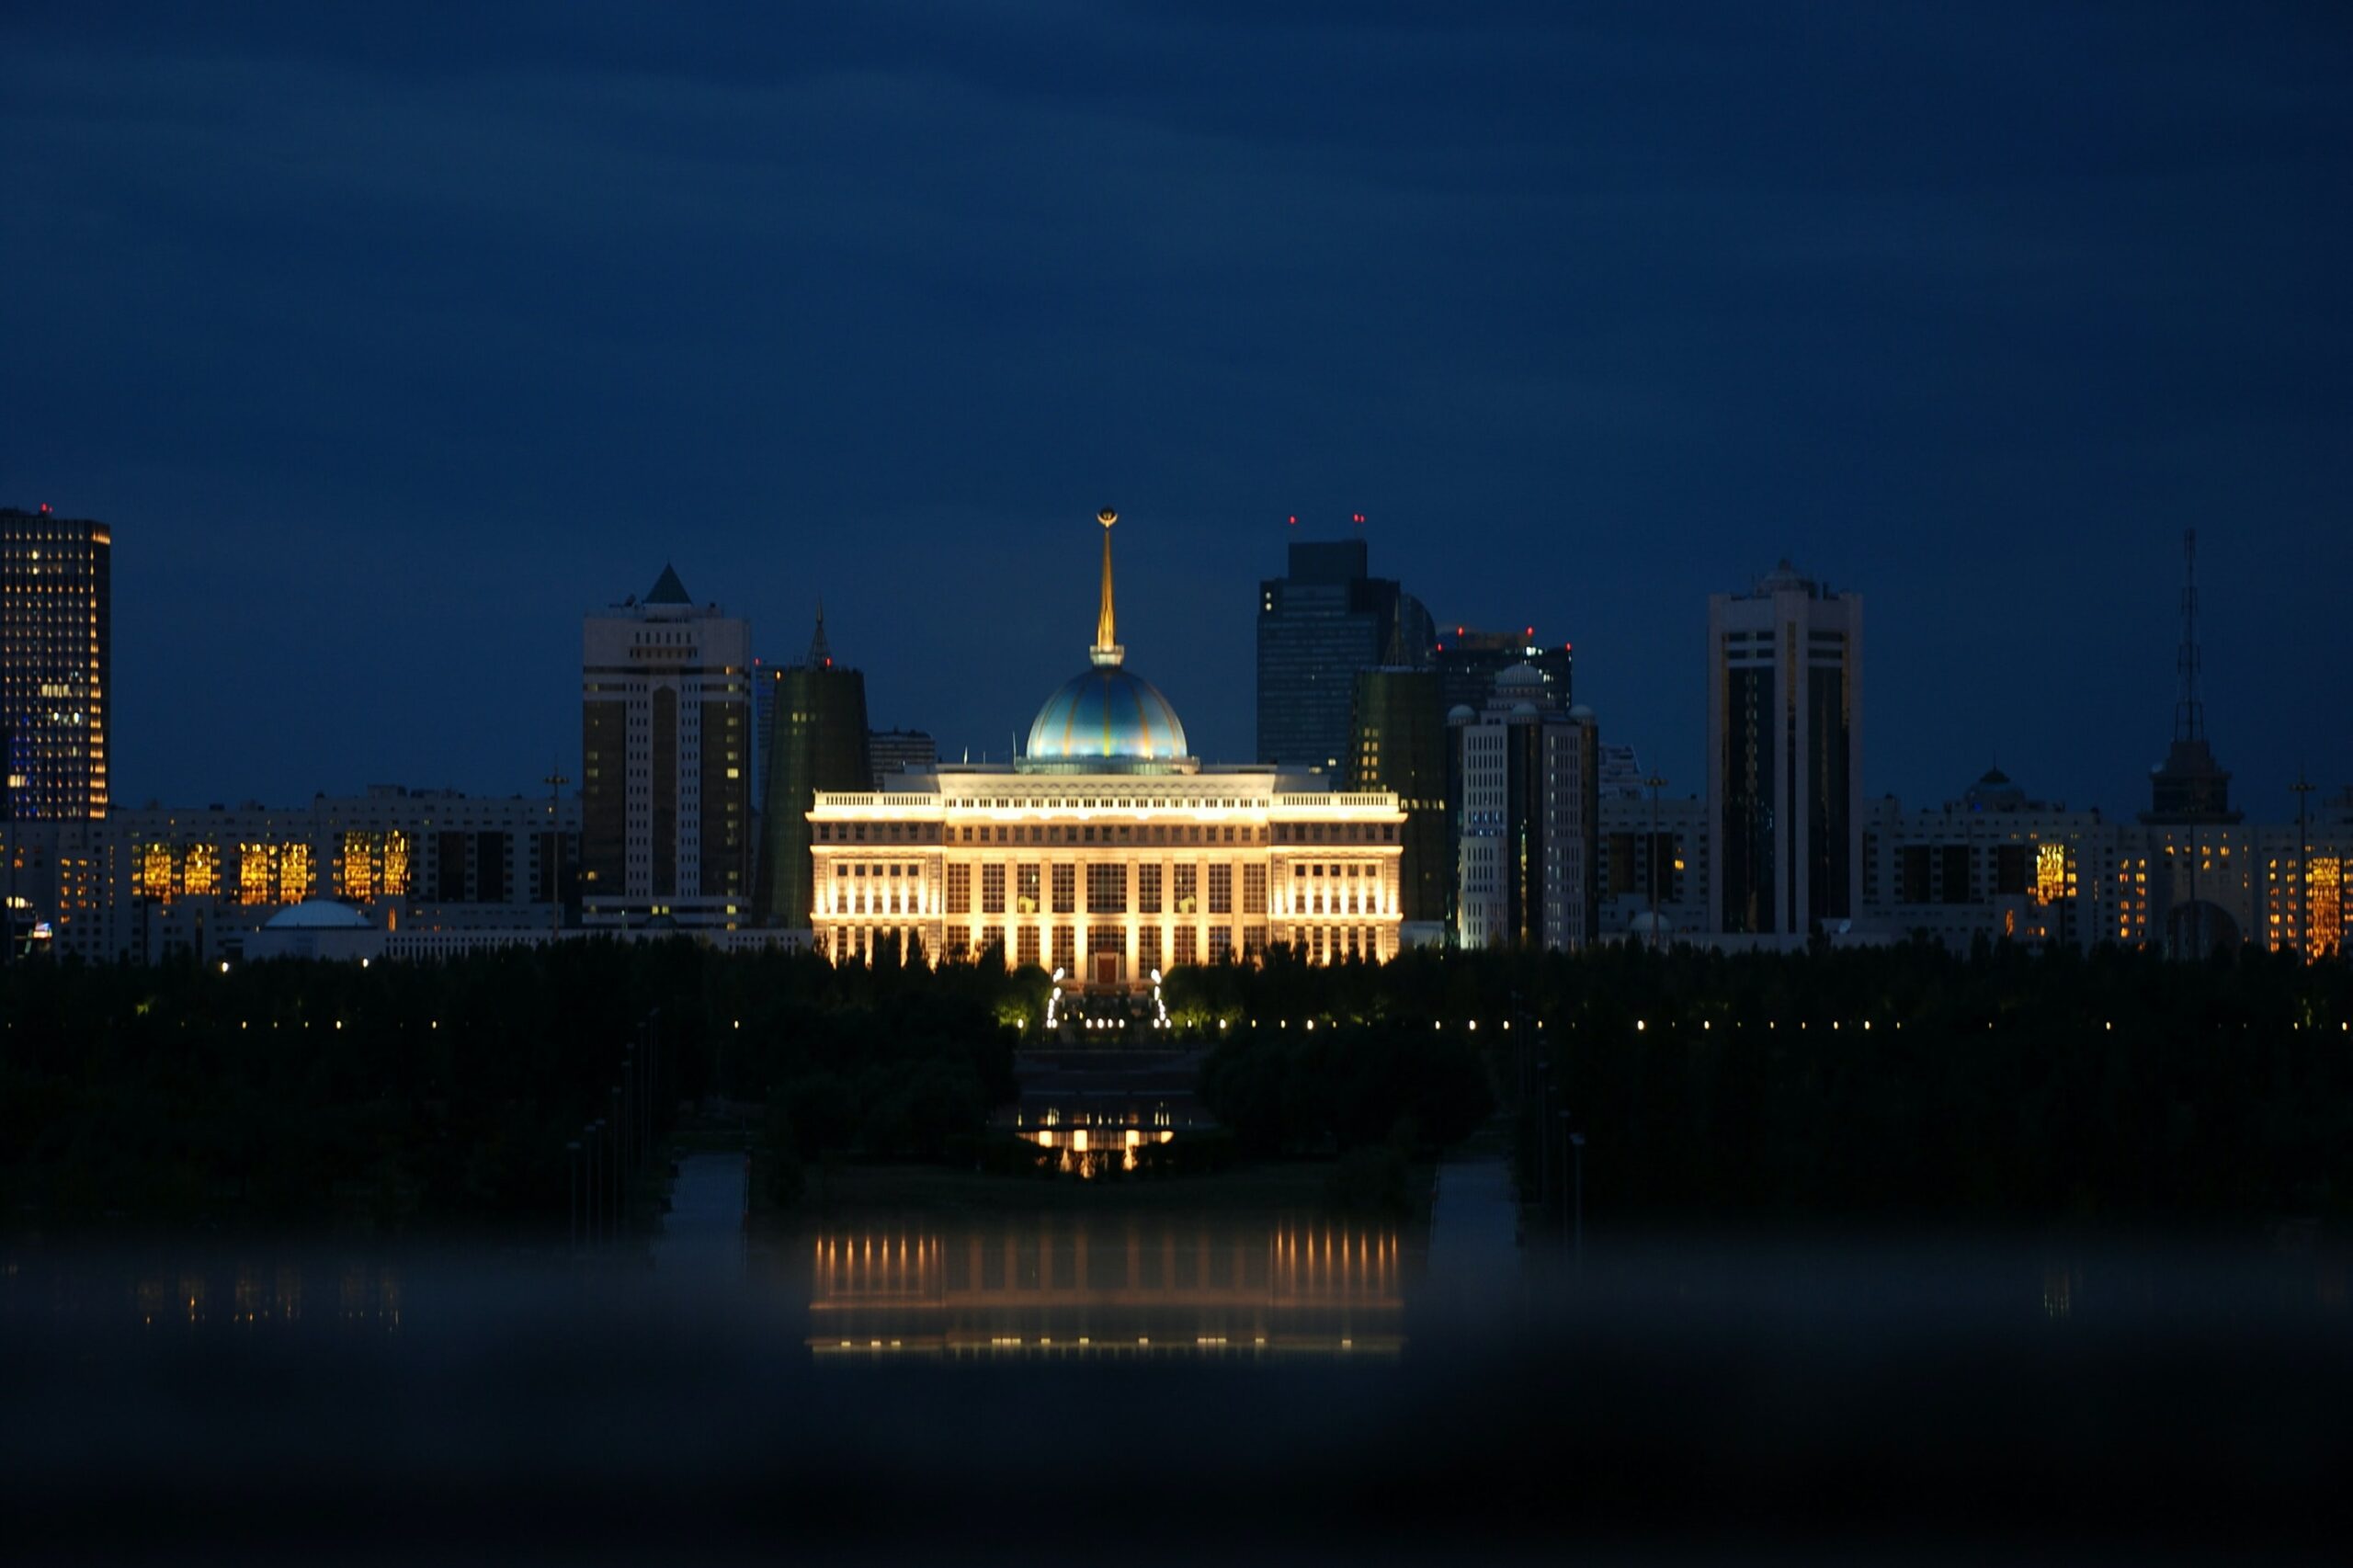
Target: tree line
[1898, 1081]
[1888, 1083]
[292, 1094]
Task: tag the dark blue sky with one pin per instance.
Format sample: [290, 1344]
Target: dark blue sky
[390, 346]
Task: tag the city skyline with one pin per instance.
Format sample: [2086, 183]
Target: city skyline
[384, 369]
[464, 771]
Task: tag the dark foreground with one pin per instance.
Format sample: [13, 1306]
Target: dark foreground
[1865, 1403]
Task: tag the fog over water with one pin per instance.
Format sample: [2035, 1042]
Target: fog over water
[946, 1387]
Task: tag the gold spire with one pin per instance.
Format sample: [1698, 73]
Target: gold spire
[1107, 649]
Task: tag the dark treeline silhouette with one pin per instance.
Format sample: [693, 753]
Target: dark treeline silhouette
[1897, 1083]
[1288, 1089]
[291, 1093]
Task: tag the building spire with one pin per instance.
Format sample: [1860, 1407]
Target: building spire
[2188, 712]
[821, 656]
[2189, 787]
[1106, 650]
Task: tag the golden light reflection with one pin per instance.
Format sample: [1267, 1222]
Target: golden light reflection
[1080, 1158]
[249, 1294]
[1061, 1288]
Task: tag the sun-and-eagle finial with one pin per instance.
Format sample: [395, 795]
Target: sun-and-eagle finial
[1107, 649]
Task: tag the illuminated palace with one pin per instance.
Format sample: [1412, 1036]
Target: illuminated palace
[1106, 853]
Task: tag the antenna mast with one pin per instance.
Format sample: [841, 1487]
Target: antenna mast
[2188, 712]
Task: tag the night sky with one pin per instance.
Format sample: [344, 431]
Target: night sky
[390, 346]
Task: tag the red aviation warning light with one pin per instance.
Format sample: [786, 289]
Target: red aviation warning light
[1356, 518]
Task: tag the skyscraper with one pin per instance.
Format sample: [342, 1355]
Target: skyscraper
[666, 760]
[1399, 743]
[1317, 626]
[56, 641]
[1469, 661]
[896, 751]
[1529, 834]
[818, 741]
[1785, 756]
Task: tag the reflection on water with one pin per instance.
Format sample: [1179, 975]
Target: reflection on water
[1087, 1152]
[213, 1293]
[1125, 1287]
[1260, 1369]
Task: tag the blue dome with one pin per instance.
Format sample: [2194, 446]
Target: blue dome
[1107, 712]
[317, 914]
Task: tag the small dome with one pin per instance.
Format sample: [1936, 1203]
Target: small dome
[1581, 714]
[1521, 678]
[1459, 713]
[317, 914]
[1107, 712]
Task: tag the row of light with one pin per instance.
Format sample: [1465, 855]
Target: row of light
[1011, 1341]
[1643, 1025]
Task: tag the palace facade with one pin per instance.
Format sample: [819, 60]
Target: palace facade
[1106, 853]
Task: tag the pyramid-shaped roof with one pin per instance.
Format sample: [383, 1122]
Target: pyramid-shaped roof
[667, 589]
